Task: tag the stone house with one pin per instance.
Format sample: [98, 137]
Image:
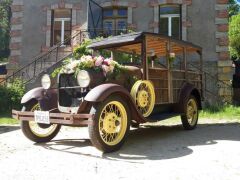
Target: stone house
[39, 25]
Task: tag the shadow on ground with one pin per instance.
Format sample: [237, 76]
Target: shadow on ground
[155, 143]
[5, 129]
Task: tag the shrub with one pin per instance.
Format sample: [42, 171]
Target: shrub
[234, 36]
[11, 95]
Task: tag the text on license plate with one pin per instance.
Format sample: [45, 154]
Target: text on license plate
[42, 117]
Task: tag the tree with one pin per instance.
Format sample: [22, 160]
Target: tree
[233, 8]
[234, 36]
[5, 14]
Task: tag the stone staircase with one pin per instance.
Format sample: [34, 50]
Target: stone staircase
[43, 63]
[213, 86]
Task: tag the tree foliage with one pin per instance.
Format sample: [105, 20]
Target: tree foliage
[5, 14]
[234, 36]
[233, 8]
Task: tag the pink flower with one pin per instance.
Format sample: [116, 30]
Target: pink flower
[107, 61]
[98, 61]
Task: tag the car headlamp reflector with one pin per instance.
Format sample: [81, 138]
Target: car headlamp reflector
[83, 79]
[46, 81]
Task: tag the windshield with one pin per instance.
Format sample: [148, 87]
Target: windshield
[120, 57]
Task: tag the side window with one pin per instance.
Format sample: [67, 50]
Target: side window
[177, 62]
[170, 20]
[61, 26]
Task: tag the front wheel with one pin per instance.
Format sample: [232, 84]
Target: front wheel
[190, 116]
[35, 131]
[110, 125]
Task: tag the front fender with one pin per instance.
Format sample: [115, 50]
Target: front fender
[46, 98]
[100, 93]
[36, 93]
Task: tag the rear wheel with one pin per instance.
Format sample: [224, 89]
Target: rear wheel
[35, 131]
[110, 125]
[190, 117]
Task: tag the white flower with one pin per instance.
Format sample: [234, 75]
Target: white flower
[106, 69]
[172, 55]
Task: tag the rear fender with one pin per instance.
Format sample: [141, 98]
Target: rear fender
[186, 91]
[46, 98]
[100, 93]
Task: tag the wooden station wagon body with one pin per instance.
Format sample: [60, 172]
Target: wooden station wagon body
[168, 82]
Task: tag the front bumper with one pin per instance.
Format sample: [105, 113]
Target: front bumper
[57, 118]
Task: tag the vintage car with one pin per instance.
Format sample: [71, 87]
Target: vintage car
[161, 79]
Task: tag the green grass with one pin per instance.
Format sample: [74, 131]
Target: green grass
[226, 112]
[3, 60]
[6, 119]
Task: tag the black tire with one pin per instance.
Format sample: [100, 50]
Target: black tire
[29, 133]
[185, 120]
[94, 132]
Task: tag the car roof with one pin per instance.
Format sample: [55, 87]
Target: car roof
[132, 42]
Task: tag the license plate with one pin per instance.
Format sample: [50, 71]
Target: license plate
[41, 117]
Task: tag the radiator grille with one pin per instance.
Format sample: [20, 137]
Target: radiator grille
[70, 95]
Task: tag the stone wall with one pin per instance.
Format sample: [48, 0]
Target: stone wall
[2, 78]
[225, 70]
[31, 24]
[16, 33]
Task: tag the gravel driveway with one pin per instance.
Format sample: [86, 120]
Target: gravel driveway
[212, 151]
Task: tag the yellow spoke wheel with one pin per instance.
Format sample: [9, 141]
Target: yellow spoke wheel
[110, 124]
[144, 96]
[41, 130]
[35, 131]
[113, 123]
[190, 118]
[191, 111]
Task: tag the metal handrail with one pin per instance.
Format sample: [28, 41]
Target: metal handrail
[207, 73]
[223, 100]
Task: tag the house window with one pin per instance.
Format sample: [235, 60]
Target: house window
[170, 20]
[61, 26]
[115, 21]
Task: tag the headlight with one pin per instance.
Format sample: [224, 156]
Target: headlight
[46, 81]
[83, 79]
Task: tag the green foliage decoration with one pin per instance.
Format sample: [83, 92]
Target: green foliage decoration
[82, 49]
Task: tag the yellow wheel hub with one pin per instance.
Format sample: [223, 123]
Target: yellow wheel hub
[144, 96]
[113, 123]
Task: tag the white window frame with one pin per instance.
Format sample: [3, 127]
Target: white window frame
[62, 20]
[169, 17]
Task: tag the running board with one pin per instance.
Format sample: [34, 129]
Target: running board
[161, 116]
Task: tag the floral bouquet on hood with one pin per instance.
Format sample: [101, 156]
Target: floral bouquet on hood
[98, 63]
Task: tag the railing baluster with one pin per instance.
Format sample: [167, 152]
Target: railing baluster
[57, 55]
[34, 69]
